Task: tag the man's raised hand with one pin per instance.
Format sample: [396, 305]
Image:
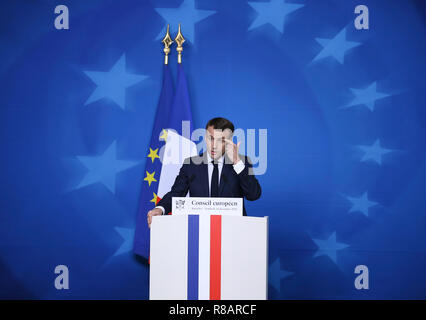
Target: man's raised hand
[232, 150]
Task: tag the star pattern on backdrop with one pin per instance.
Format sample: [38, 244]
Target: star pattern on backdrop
[127, 234]
[155, 198]
[104, 168]
[186, 14]
[366, 96]
[273, 12]
[335, 47]
[374, 152]
[163, 135]
[361, 204]
[329, 247]
[153, 154]
[113, 83]
[150, 177]
[276, 274]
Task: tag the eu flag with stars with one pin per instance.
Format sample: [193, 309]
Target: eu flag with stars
[148, 196]
[172, 127]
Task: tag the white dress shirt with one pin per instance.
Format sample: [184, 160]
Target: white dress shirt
[238, 167]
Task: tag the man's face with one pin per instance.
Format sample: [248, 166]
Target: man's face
[215, 140]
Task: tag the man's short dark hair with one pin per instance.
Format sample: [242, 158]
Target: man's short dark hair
[220, 123]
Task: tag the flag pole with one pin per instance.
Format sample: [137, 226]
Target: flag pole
[179, 40]
[167, 42]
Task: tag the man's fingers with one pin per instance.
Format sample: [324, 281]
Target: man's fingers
[154, 212]
[151, 213]
[229, 141]
[149, 218]
[229, 147]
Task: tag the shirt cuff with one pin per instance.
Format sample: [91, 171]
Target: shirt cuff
[162, 209]
[239, 167]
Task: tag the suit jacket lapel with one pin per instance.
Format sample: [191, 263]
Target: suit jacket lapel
[225, 169]
[204, 173]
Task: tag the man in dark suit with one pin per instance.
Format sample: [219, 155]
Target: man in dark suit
[219, 172]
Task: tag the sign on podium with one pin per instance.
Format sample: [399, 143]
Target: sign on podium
[208, 256]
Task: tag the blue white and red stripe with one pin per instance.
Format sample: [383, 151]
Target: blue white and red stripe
[204, 254]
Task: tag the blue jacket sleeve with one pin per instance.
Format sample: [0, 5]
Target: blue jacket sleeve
[249, 185]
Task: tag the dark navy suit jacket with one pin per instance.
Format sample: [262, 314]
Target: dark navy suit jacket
[193, 177]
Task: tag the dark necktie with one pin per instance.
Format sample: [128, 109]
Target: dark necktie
[214, 188]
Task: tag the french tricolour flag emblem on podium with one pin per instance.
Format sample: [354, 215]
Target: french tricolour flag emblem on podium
[202, 257]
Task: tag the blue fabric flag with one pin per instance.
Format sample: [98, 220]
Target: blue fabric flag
[181, 110]
[148, 198]
[162, 167]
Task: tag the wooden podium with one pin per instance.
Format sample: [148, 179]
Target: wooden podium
[208, 257]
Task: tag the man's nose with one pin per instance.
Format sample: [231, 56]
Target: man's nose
[216, 145]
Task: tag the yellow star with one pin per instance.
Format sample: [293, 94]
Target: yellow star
[155, 199]
[164, 135]
[150, 177]
[153, 154]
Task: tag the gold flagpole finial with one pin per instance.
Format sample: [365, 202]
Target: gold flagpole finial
[167, 41]
[179, 40]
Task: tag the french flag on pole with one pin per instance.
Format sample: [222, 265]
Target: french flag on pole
[208, 257]
[170, 144]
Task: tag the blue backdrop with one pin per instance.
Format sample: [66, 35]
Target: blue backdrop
[344, 108]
